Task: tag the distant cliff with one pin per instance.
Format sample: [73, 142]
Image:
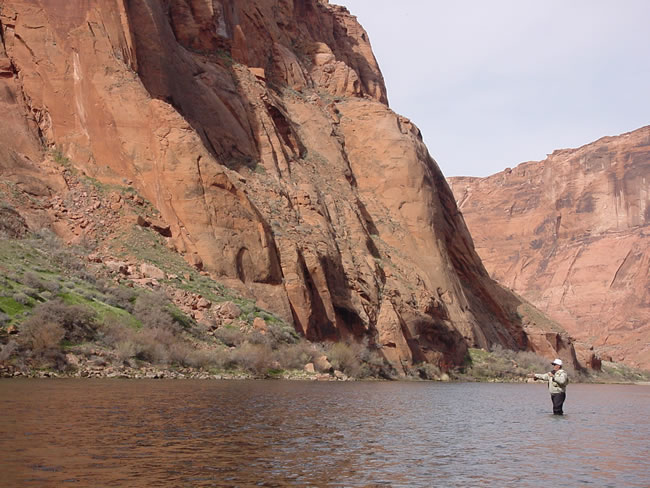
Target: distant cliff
[571, 234]
[261, 132]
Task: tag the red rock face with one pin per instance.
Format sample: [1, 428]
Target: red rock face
[261, 132]
[571, 234]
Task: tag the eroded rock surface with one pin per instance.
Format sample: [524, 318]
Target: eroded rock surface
[571, 234]
[261, 132]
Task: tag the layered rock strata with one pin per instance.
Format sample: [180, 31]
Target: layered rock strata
[261, 132]
[571, 234]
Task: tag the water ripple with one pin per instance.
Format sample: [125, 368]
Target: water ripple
[277, 434]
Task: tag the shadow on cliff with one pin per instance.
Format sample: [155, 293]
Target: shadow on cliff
[200, 85]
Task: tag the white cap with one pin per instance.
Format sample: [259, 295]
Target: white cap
[557, 361]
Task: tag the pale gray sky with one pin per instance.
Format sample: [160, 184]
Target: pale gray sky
[495, 83]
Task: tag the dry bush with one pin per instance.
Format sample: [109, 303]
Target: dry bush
[158, 345]
[77, 321]
[121, 297]
[113, 331]
[7, 350]
[358, 360]
[46, 295]
[346, 357]
[40, 336]
[125, 350]
[229, 335]
[295, 356]
[529, 362]
[198, 358]
[61, 254]
[31, 292]
[373, 364]
[256, 337]
[53, 358]
[33, 280]
[152, 345]
[256, 358]
[152, 309]
[179, 352]
[219, 358]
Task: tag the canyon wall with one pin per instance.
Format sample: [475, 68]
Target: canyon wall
[261, 132]
[571, 234]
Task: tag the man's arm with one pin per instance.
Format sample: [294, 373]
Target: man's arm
[541, 376]
[561, 378]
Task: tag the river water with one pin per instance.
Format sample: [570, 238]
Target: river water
[185, 433]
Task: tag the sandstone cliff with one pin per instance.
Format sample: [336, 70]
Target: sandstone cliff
[571, 234]
[261, 132]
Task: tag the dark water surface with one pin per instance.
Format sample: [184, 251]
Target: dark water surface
[183, 433]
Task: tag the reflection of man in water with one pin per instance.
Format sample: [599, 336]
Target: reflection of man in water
[557, 381]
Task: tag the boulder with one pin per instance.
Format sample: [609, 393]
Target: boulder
[150, 271]
[309, 368]
[259, 324]
[229, 310]
[322, 364]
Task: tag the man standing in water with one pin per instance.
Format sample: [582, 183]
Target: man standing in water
[557, 381]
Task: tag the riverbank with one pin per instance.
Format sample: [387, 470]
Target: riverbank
[177, 374]
[472, 373]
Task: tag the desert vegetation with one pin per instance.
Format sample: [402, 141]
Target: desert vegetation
[61, 314]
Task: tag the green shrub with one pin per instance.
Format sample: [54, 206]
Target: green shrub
[428, 371]
[281, 333]
[21, 298]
